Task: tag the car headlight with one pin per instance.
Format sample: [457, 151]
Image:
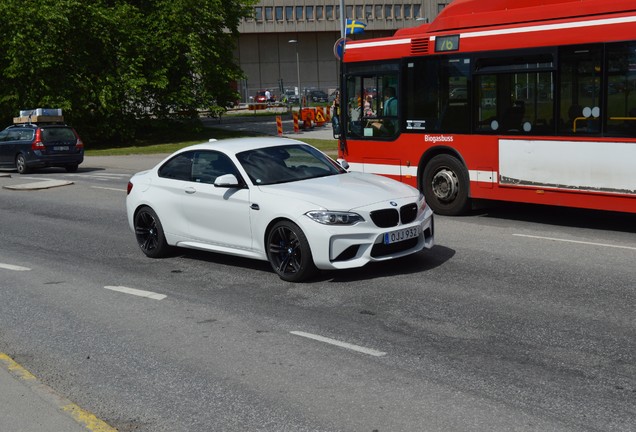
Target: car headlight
[421, 203]
[334, 218]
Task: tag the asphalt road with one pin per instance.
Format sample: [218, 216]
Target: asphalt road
[520, 319]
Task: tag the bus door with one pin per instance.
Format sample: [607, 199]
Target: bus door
[372, 108]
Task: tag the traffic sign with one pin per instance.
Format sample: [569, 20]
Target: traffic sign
[339, 46]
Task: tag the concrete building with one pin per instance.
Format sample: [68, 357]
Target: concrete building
[287, 38]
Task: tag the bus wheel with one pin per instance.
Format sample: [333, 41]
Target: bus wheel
[445, 185]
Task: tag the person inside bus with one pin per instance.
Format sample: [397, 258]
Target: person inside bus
[355, 110]
[368, 107]
[355, 115]
[389, 107]
[387, 126]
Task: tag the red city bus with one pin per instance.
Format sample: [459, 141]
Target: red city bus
[511, 100]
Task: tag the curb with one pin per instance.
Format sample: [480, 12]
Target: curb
[47, 184]
[63, 406]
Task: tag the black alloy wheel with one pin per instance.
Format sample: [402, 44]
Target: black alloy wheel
[288, 252]
[149, 233]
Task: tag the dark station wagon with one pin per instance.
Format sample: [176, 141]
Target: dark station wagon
[38, 145]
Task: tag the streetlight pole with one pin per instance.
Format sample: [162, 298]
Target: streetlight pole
[300, 100]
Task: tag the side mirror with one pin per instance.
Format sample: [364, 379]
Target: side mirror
[343, 163]
[227, 181]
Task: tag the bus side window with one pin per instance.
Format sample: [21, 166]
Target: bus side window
[621, 89]
[580, 90]
[515, 103]
[437, 95]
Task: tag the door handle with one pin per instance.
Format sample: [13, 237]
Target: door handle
[190, 190]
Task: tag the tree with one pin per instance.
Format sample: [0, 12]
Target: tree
[109, 64]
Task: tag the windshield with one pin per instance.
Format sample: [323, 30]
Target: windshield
[282, 164]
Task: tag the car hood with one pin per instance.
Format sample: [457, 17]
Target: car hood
[344, 191]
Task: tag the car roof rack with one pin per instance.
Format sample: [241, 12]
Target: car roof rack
[40, 116]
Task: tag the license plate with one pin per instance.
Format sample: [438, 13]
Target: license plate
[60, 148]
[401, 235]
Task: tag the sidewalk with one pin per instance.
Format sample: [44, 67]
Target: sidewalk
[27, 405]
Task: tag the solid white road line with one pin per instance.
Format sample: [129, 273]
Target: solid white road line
[13, 267]
[576, 241]
[136, 292]
[357, 348]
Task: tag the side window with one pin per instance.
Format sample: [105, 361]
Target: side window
[515, 103]
[178, 168]
[437, 95]
[25, 134]
[14, 134]
[3, 135]
[580, 90]
[515, 95]
[621, 89]
[208, 165]
[372, 104]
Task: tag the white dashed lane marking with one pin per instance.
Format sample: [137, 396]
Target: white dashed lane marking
[576, 242]
[13, 267]
[338, 343]
[108, 188]
[137, 292]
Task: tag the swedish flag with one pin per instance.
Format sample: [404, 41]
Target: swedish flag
[354, 27]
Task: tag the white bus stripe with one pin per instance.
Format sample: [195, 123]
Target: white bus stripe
[375, 44]
[335, 342]
[506, 31]
[550, 27]
[403, 170]
[136, 292]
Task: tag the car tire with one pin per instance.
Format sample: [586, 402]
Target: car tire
[71, 168]
[21, 165]
[149, 233]
[289, 253]
[445, 185]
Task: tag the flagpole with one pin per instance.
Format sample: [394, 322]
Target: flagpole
[343, 19]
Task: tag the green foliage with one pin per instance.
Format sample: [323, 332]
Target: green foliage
[109, 64]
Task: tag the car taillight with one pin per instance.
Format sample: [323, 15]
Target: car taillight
[79, 144]
[37, 142]
[129, 188]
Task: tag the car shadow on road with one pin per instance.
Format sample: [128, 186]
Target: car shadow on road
[223, 259]
[416, 263]
[420, 262]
